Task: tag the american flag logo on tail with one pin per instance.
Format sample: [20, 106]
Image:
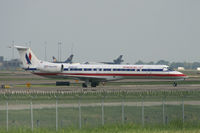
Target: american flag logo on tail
[28, 58]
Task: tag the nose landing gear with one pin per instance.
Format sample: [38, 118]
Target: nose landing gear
[84, 85]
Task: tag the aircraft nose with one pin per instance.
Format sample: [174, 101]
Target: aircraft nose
[181, 75]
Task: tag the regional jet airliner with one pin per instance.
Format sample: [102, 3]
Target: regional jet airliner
[95, 73]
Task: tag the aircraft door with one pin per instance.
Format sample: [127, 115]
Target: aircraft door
[62, 68]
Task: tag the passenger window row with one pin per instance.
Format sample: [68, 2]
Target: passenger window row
[108, 69]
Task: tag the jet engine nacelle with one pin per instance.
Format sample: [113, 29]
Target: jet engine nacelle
[57, 68]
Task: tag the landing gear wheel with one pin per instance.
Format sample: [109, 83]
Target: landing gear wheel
[93, 84]
[84, 85]
[174, 84]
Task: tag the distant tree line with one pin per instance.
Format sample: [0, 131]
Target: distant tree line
[186, 65]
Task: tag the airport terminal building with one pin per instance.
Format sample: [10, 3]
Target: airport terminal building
[10, 64]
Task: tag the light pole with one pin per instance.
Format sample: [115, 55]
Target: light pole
[12, 48]
[29, 43]
[45, 51]
[72, 48]
[59, 51]
[13, 43]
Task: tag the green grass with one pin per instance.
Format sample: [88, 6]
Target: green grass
[153, 83]
[175, 127]
[21, 79]
[68, 117]
[91, 116]
[96, 97]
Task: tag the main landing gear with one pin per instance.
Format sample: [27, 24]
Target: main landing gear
[93, 84]
[84, 85]
[175, 84]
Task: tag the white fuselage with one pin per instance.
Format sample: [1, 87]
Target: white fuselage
[94, 73]
[106, 72]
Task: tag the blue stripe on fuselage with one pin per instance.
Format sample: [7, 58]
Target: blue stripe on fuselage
[30, 69]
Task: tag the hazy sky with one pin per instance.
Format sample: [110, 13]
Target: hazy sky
[100, 30]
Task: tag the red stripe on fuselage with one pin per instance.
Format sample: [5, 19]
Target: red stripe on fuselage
[111, 74]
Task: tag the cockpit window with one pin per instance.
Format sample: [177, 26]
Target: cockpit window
[165, 69]
[168, 69]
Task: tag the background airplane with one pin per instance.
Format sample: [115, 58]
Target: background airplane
[68, 60]
[116, 61]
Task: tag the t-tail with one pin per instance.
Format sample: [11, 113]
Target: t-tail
[69, 59]
[54, 59]
[28, 58]
[118, 60]
[32, 63]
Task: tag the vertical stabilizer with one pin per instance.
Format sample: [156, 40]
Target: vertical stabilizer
[27, 57]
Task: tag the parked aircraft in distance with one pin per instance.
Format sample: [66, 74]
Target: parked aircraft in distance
[96, 73]
[116, 61]
[68, 60]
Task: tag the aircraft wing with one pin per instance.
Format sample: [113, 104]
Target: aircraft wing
[107, 62]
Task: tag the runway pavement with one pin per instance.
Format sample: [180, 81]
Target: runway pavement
[18, 79]
[110, 104]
